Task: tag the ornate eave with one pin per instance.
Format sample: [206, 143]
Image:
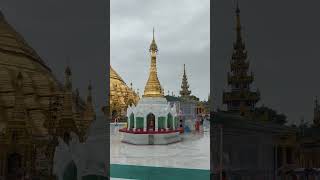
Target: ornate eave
[248, 79]
[157, 106]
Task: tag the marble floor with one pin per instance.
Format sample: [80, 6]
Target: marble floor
[193, 152]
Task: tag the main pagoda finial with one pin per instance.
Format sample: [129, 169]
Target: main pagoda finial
[89, 96]
[68, 81]
[238, 9]
[153, 87]
[238, 23]
[153, 45]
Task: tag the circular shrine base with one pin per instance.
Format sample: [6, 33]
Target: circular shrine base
[150, 137]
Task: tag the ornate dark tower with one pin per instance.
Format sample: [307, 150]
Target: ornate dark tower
[241, 99]
[184, 85]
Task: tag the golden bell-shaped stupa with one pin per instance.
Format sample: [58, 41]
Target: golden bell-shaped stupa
[153, 87]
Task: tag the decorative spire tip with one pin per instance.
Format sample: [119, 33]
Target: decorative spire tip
[238, 9]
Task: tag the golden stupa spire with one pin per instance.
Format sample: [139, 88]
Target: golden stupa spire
[153, 87]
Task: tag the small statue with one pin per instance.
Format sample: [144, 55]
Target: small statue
[151, 124]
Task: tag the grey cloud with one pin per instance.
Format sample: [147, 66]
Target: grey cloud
[181, 32]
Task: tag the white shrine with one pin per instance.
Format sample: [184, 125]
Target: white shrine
[153, 120]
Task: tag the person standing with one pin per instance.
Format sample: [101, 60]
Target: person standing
[116, 121]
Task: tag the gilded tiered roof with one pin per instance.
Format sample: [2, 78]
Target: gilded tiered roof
[241, 98]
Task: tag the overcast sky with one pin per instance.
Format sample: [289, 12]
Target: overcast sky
[182, 33]
[59, 29]
[282, 39]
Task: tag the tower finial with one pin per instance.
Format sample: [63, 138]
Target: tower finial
[90, 86]
[153, 45]
[238, 9]
[89, 97]
[238, 25]
[68, 69]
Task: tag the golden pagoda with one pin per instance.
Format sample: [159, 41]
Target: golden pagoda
[153, 116]
[153, 87]
[35, 108]
[121, 96]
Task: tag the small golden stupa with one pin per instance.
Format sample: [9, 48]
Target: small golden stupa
[153, 87]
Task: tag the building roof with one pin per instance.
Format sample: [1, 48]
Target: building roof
[172, 98]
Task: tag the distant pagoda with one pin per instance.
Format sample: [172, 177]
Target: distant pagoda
[241, 99]
[185, 92]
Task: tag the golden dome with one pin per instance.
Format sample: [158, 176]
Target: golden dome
[27, 118]
[38, 83]
[114, 75]
[121, 96]
[13, 43]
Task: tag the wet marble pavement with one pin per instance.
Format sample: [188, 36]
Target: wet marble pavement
[193, 152]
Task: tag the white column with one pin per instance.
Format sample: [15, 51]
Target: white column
[173, 123]
[135, 124]
[145, 123]
[129, 119]
[156, 127]
[166, 123]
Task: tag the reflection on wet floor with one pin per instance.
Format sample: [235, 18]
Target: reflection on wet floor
[193, 152]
